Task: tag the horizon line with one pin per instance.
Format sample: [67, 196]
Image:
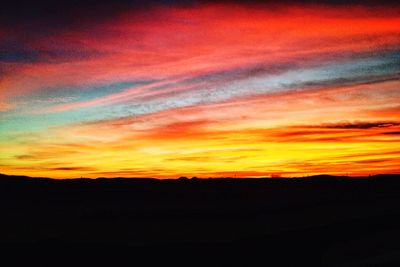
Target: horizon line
[207, 178]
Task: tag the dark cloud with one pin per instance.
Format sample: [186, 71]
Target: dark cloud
[66, 12]
[11, 52]
[39, 168]
[394, 133]
[356, 125]
[74, 11]
[337, 132]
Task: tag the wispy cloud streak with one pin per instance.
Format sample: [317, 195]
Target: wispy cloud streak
[209, 89]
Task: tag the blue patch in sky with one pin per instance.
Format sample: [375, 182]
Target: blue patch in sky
[22, 119]
[52, 96]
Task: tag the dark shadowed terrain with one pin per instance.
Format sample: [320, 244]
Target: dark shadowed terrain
[315, 221]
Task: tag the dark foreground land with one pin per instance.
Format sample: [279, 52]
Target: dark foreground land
[315, 221]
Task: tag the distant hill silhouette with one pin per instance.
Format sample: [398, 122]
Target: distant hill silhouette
[313, 221]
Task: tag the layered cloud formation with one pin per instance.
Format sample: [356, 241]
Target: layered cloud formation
[206, 90]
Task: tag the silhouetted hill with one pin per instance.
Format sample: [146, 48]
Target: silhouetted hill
[312, 221]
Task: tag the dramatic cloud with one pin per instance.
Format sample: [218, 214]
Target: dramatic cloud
[358, 125]
[170, 88]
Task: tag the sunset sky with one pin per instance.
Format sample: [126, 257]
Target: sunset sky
[203, 89]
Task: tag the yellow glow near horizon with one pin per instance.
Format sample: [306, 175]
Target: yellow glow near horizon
[213, 91]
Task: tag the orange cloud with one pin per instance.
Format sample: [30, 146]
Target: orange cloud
[230, 90]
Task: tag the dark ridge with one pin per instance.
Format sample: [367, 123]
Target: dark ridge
[312, 221]
[319, 176]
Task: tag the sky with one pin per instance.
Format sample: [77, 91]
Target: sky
[179, 88]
